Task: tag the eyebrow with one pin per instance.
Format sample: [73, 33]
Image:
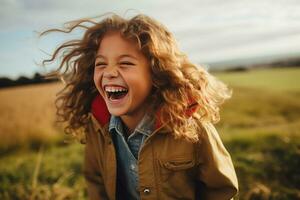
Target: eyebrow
[121, 56]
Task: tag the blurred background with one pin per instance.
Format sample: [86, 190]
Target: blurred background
[252, 45]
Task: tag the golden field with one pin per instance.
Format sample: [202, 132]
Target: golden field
[28, 115]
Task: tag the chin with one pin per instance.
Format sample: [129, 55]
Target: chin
[117, 111]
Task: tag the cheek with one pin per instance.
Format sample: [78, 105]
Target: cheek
[140, 84]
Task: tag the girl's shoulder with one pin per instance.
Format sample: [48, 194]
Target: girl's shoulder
[93, 130]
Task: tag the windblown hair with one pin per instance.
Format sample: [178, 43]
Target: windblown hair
[179, 84]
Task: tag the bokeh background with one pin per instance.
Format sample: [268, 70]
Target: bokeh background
[252, 45]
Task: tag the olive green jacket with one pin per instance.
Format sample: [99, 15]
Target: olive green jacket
[168, 168]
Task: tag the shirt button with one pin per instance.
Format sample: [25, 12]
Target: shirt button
[146, 191]
[132, 167]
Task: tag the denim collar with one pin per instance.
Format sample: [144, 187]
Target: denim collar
[145, 126]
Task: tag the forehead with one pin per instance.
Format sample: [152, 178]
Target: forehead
[114, 43]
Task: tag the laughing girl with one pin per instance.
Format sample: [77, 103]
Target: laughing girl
[147, 113]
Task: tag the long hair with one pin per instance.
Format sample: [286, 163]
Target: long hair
[178, 83]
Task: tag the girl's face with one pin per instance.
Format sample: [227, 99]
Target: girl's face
[122, 75]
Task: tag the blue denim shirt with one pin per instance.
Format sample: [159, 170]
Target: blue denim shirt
[127, 152]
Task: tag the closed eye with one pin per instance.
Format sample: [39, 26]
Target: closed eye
[100, 64]
[126, 63]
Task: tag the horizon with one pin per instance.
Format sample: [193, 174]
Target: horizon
[209, 32]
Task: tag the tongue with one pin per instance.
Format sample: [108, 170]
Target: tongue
[118, 95]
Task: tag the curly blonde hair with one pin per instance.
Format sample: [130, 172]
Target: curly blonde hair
[179, 84]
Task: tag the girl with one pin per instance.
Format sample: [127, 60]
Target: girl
[147, 113]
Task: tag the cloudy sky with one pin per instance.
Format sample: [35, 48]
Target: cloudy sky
[209, 31]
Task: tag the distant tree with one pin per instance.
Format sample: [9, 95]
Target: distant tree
[38, 78]
[237, 69]
[22, 80]
[6, 82]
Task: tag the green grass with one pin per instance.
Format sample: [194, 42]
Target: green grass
[49, 173]
[271, 161]
[260, 127]
[277, 79]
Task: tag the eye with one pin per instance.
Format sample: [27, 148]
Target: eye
[100, 64]
[126, 63]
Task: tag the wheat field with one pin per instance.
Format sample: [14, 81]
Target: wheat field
[28, 115]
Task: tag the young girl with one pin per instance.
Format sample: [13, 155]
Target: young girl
[147, 113]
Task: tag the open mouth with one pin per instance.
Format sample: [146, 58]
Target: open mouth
[115, 92]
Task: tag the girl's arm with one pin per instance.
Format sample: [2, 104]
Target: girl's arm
[216, 174]
[94, 181]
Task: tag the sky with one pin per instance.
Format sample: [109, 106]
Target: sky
[210, 32]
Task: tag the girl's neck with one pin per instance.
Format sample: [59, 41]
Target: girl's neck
[132, 120]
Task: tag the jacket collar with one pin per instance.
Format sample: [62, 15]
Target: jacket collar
[100, 112]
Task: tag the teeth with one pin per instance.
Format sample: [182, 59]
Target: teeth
[114, 89]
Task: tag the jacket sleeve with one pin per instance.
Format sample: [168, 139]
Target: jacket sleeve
[216, 175]
[91, 171]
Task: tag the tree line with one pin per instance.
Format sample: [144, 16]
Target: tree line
[23, 80]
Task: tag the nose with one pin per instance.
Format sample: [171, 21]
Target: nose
[110, 71]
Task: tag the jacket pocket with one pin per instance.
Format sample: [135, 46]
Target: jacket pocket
[174, 169]
[177, 164]
[177, 178]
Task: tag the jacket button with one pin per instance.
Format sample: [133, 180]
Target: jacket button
[146, 191]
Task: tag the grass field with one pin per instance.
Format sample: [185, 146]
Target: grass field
[277, 79]
[260, 127]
